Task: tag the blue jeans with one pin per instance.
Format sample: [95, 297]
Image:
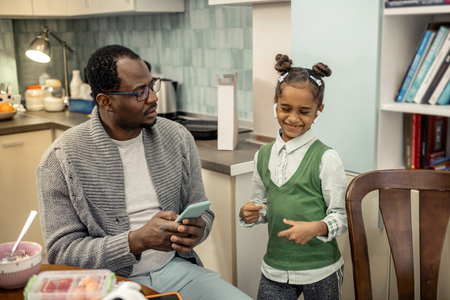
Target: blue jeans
[191, 281]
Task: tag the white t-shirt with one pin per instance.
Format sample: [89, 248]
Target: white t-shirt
[141, 200]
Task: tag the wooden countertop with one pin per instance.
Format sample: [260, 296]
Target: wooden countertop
[223, 161]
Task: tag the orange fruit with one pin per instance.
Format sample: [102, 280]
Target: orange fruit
[6, 107]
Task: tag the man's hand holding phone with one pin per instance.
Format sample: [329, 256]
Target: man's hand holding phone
[162, 233]
[192, 227]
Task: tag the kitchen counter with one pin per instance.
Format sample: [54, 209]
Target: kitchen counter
[224, 161]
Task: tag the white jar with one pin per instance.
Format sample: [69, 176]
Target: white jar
[75, 84]
[34, 98]
[54, 95]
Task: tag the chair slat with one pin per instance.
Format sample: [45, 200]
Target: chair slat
[433, 228]
[434, 214]
[395, 206]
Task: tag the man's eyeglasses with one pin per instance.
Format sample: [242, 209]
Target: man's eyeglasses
[142, 94]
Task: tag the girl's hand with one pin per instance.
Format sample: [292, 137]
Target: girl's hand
[302, 232]
[250, 212]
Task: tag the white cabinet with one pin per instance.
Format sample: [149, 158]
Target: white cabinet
[50, 8]
[16, 8]
[218, 252]
[84, 7]
[243, 2]
[153, 6]
[231, 250]
[20, 155]
[401, 33]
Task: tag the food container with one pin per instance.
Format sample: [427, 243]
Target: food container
[28, 257]
[76, 284]
[54, 95]
[34, 98]
[81, 105]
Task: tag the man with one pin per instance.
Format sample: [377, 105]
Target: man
[110, 189]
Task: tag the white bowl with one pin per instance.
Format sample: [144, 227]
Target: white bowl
[16, 274]
[7, 115]
[54, 104]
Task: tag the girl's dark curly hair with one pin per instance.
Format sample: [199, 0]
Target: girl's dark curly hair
[101, 69]
[300, 77]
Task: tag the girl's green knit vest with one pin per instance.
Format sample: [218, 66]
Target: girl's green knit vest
[298, 199]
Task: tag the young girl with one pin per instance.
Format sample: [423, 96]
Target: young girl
[298, 188]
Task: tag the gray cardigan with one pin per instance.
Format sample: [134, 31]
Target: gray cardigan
[80, 185]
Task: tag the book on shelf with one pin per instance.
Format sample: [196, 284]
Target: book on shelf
[444, 98]
[437, 78]
[407, 139]
[411, 140]
[441, 164]
[440, 87]
[433, 139]
[431, 54]
[406, 3]
[415, 141]
[416, 62]
[434, 68]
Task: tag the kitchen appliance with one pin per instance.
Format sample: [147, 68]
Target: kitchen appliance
[167, 99]
[200, 129]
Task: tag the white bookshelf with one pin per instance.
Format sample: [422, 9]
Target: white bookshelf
[419, 10]
[402, 29]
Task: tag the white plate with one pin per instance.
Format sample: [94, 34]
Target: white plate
[7, 115]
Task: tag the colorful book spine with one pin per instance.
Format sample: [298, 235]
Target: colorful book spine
[406, 3]
[407, 139]
[437, 42]
[418, 58]
[415, 141]
[437, 78]
[424, 141]
[444, 98]
[437, 138]
[440, 56]
[440, 87]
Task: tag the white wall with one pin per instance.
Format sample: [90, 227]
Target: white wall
[271, 35]
[345, 35]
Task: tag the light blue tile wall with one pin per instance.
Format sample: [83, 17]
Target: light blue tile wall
[189, 47]
[8, 70]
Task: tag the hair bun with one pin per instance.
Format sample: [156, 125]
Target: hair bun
[284, 63]
[322, 69]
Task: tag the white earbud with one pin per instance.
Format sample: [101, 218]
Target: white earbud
[318, 114]
[275, 114]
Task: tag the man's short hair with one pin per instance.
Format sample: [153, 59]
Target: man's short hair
[101, 69]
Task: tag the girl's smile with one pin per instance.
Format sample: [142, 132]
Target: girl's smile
[296, 111]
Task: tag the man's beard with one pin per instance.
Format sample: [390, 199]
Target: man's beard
[130, 126]
[147, 125]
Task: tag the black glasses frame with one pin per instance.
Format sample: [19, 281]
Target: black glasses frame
[155, 83]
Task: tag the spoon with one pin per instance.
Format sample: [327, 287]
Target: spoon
[30, 219]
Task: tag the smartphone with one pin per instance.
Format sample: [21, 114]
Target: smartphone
[193, 211]
[167, 296]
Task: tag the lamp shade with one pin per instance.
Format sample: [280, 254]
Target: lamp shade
[39, 49]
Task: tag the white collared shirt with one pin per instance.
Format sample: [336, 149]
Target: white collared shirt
[334, 185]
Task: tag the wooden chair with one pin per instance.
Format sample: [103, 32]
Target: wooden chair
[395, 204]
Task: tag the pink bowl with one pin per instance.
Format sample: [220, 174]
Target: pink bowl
[16, 274]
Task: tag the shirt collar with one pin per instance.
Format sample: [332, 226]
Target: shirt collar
[295, 143]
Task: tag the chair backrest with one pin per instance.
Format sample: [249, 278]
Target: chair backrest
[395, 205]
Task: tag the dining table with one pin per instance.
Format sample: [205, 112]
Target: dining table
[17, 294]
